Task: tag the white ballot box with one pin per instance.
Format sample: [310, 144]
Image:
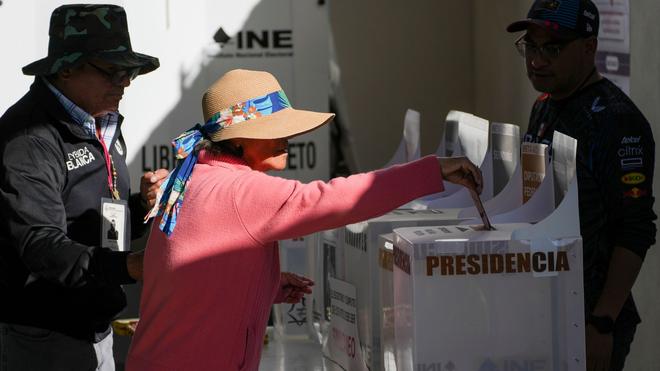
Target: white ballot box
[470, 299]
[386, 292]
[324, 262]
[359, 245]
[314, 256]
[292, 320]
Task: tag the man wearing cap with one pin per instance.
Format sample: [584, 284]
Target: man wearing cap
[63, 179]
[615, 163]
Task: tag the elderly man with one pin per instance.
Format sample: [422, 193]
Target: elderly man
[614, 168]
[63, 179]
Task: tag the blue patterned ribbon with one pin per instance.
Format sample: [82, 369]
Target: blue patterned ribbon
[170, 196]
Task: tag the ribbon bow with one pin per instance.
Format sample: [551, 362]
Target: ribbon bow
[171, 193]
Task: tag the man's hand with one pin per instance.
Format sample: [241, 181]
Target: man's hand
[461, 171]
[134, 262]
[292, 288]
[150, 184]
[599, 350]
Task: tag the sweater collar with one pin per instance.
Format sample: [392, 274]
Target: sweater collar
[206, 157]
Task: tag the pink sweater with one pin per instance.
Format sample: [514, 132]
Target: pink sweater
[208, 289]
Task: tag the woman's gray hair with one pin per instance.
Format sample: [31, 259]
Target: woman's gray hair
[218, 148]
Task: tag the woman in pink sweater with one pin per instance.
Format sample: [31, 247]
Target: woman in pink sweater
[210, 282]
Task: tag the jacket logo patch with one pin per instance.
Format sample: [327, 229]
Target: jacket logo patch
[633, 178]
[119, 148]
[630, 140]
[635, 193]
[78, 158]
[595, 107]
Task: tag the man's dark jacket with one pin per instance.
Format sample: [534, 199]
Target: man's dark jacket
[53, 272]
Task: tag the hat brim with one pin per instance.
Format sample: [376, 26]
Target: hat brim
[125, 59]
[146, 63]
[523, 25]
[44, 66]
[286, 123]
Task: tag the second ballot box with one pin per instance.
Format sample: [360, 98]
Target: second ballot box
[359, 245]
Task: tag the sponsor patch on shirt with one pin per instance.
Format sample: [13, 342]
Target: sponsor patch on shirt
[633, 178]
[630, 151]
[78, 158]
[635, 193]
[632, 163]
[630, 140]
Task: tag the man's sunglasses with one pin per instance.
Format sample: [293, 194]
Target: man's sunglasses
[117, 77]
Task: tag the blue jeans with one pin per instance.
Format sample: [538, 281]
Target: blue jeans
[25, 348]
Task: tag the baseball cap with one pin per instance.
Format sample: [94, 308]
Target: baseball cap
[576, 18]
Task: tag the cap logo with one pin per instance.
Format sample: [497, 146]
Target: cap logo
[551, 5]
[589, 15]
[551, 25]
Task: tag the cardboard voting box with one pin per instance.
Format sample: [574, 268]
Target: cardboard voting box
[360, 248]
[469, 299]
[409, 148]
[324, 262]
[292, 320]
[466, 135]
[508, 299]
[495, 148]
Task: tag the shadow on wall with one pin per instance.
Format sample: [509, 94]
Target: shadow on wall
[259, 49]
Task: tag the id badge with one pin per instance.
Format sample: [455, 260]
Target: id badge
[114, 216]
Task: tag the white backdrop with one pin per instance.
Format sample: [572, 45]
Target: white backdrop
[287, 38]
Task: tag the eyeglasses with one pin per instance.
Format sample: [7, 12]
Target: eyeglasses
[547, 51]
[117, 77]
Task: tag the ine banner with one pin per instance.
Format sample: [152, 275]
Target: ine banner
[196, 41]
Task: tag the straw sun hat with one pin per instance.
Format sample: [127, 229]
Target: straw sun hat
[238, 86]
[241, 104]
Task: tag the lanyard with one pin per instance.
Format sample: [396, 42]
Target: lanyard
[109, 165]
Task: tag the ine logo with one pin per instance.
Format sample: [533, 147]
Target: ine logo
[255, 43]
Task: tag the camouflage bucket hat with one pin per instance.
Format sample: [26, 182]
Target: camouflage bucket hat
[83, 31]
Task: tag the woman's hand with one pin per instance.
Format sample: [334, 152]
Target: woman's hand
[461, 171]
[292, 288]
